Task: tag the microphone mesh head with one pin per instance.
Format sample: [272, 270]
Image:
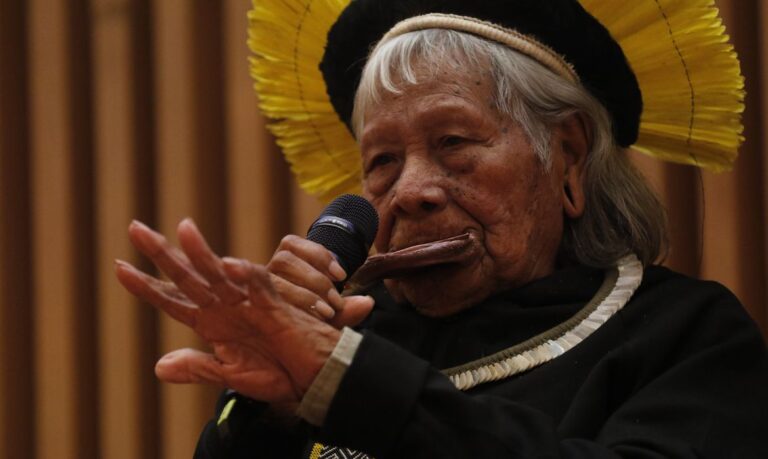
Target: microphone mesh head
[351, 249]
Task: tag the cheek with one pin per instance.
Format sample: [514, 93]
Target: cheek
[500, 195]
[381, 242]
[378, 182]
[519, 217]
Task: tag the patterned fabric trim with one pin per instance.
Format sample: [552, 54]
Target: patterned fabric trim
[320, 451]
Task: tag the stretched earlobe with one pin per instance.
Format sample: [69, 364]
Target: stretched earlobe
[568, 196]
[573, 201]
[575, 145]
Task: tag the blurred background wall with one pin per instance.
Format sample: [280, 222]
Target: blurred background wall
[118, 109]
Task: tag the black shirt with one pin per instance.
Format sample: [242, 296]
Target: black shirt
[680, 371]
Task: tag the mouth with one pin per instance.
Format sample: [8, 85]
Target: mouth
[456, 250]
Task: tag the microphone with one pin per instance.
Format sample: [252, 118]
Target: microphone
[347, 228]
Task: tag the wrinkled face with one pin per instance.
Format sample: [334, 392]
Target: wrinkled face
[440, 161]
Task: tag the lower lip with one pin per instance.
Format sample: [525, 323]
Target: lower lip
[441, 270]
[447, 253]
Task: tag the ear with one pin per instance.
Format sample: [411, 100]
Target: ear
[575, 140]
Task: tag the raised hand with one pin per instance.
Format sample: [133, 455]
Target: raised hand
[263, 346]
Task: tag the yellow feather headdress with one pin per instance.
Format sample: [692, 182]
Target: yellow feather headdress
[688, 72]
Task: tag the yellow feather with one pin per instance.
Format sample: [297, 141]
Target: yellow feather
[288, 38]
[693, 91]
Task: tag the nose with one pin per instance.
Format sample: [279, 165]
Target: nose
[419, 189]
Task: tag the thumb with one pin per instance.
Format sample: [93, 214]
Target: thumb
[356, 308]
[188, 366]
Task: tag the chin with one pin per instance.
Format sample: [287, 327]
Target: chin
[440, 309]
[437, 295]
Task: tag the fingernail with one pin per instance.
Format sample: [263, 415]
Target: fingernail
[234, 267]
[231, 261]
[337, 271]
[153, 235]
[125, 266]
[136, 223]
[335, 299]
[120, 263]
[324, 310]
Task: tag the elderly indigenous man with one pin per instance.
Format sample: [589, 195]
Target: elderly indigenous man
[512, 308]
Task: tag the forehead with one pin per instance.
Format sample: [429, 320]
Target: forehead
[401, 63]
[451, 92]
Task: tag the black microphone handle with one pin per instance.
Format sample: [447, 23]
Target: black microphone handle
[346, 228]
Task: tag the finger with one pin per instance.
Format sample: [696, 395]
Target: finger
[298, 271]
[175, 252]
[261, 291]
[189, 366]
[356, 309]
[302, 298]
[236, 269]
[170, 261]
[208, 264]
[168, 289]
[299, 297]
[160, 294]
[315, 254]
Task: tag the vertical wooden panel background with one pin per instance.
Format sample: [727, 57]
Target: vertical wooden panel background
[190, 160]
[17, 405]
[124, 175]
[112, 110]
[734, 235]
[257, 177]
[62, 229]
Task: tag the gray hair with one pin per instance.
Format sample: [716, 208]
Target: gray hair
[622, 214]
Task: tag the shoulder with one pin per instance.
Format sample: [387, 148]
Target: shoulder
[658, 280]
[672, 311]
[669, 293]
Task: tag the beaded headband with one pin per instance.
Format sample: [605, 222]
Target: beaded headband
[508, 37]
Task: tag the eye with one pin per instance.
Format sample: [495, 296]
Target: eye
[380, 160]
[449, 141]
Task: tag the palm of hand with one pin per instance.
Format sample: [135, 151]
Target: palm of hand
[263, 354]
[264, 347]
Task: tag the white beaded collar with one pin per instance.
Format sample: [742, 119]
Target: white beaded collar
[618, 287]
